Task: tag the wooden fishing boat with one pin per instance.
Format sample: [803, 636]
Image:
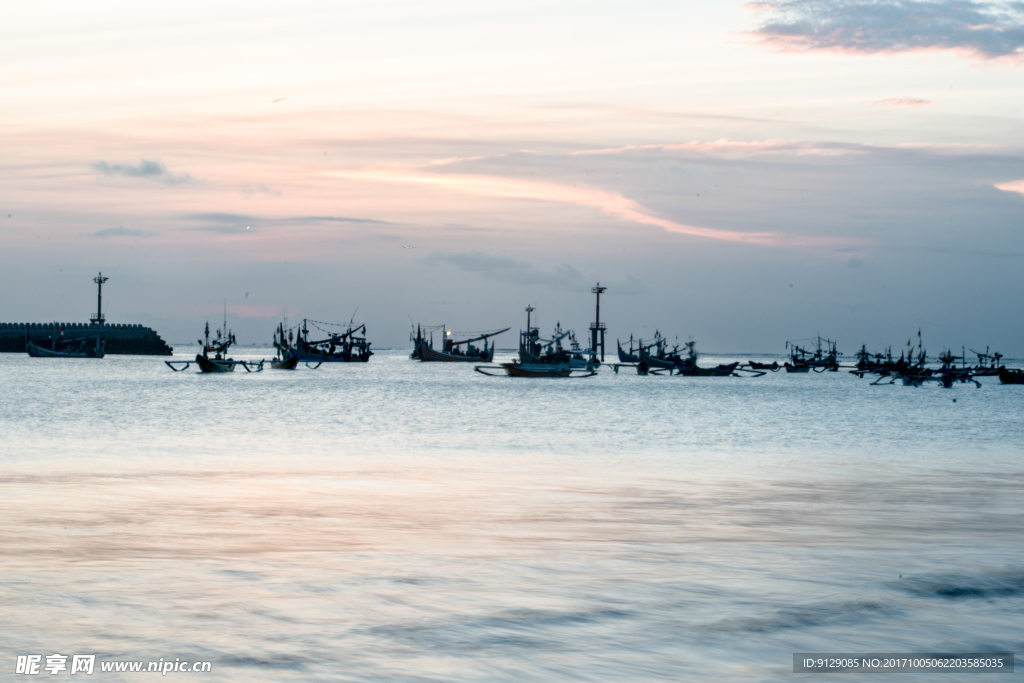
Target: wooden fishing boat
[284, 358]
[539, 357]
[452, 350]
[219, 348]
[68, 348]
[820, 360]
[657, 355]
[288, 363]
[687, 367]
[988, 364]
[1007, 376]
[632, 356]
[337, 347]
[774, 366]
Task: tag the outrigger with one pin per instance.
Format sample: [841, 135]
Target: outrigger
[451, 349]
[219, 348]
[539, 357]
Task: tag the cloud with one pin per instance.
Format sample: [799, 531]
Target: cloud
[976, 30]
[236, 223]
[508, 269]
[901, 102]
[253, 190]
[610, 202]
[1011, 186]
[737, 148]
[150, 170]
[119, 231]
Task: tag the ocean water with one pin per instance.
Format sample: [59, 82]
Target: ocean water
[399, 521]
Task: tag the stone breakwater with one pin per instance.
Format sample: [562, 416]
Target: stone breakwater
[125, 339]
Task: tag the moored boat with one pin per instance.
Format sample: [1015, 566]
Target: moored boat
[219, 348]
[285, 358]
[337, 347]
[539, 357]
[1007, 376]
[688, 367]
[451, 349]
[77, 347]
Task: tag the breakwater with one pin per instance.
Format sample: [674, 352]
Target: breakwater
[125, 339]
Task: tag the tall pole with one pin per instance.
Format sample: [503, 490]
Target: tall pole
[597, 329]
[99, 280]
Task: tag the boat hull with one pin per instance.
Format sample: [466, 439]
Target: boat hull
[626, 357]
[426, 354]
[1011, 376]
[207, 365]
[720, 371]
[342, 357]
[38, 352]
[537, 369]
[797, 368]
[289, 363]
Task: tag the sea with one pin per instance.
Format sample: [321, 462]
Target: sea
[422, 522]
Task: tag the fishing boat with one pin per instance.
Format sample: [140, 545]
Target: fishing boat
[452, 350]
[1007, 376]
[988, 364]
[337, 347]
[658, 355]
[633, 356]
[539, 357]
[218, 346]
[820, 360]
[688, 365]
[78, 347]
[284, 359]
[580, 358]
[774, 366]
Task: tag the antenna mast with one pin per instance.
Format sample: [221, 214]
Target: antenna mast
[99, 280]
[597, 328]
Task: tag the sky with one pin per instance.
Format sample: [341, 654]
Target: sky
[739, 174]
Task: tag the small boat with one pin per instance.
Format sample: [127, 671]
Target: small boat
[774, 367]
[1007, 376]
[820, 360]
[656, 353]
[988, 364]
[337, 347]
[539, 357]
[68, 348]
[451, 349]
[219, 348]
[285, 359]
[632, 356]
[688, 367]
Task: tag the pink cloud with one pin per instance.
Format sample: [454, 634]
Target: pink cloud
[611, 203]
[737, 148]
[901, 102]
[1011, 186]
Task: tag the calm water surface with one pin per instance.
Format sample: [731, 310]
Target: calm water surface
[398, 521]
